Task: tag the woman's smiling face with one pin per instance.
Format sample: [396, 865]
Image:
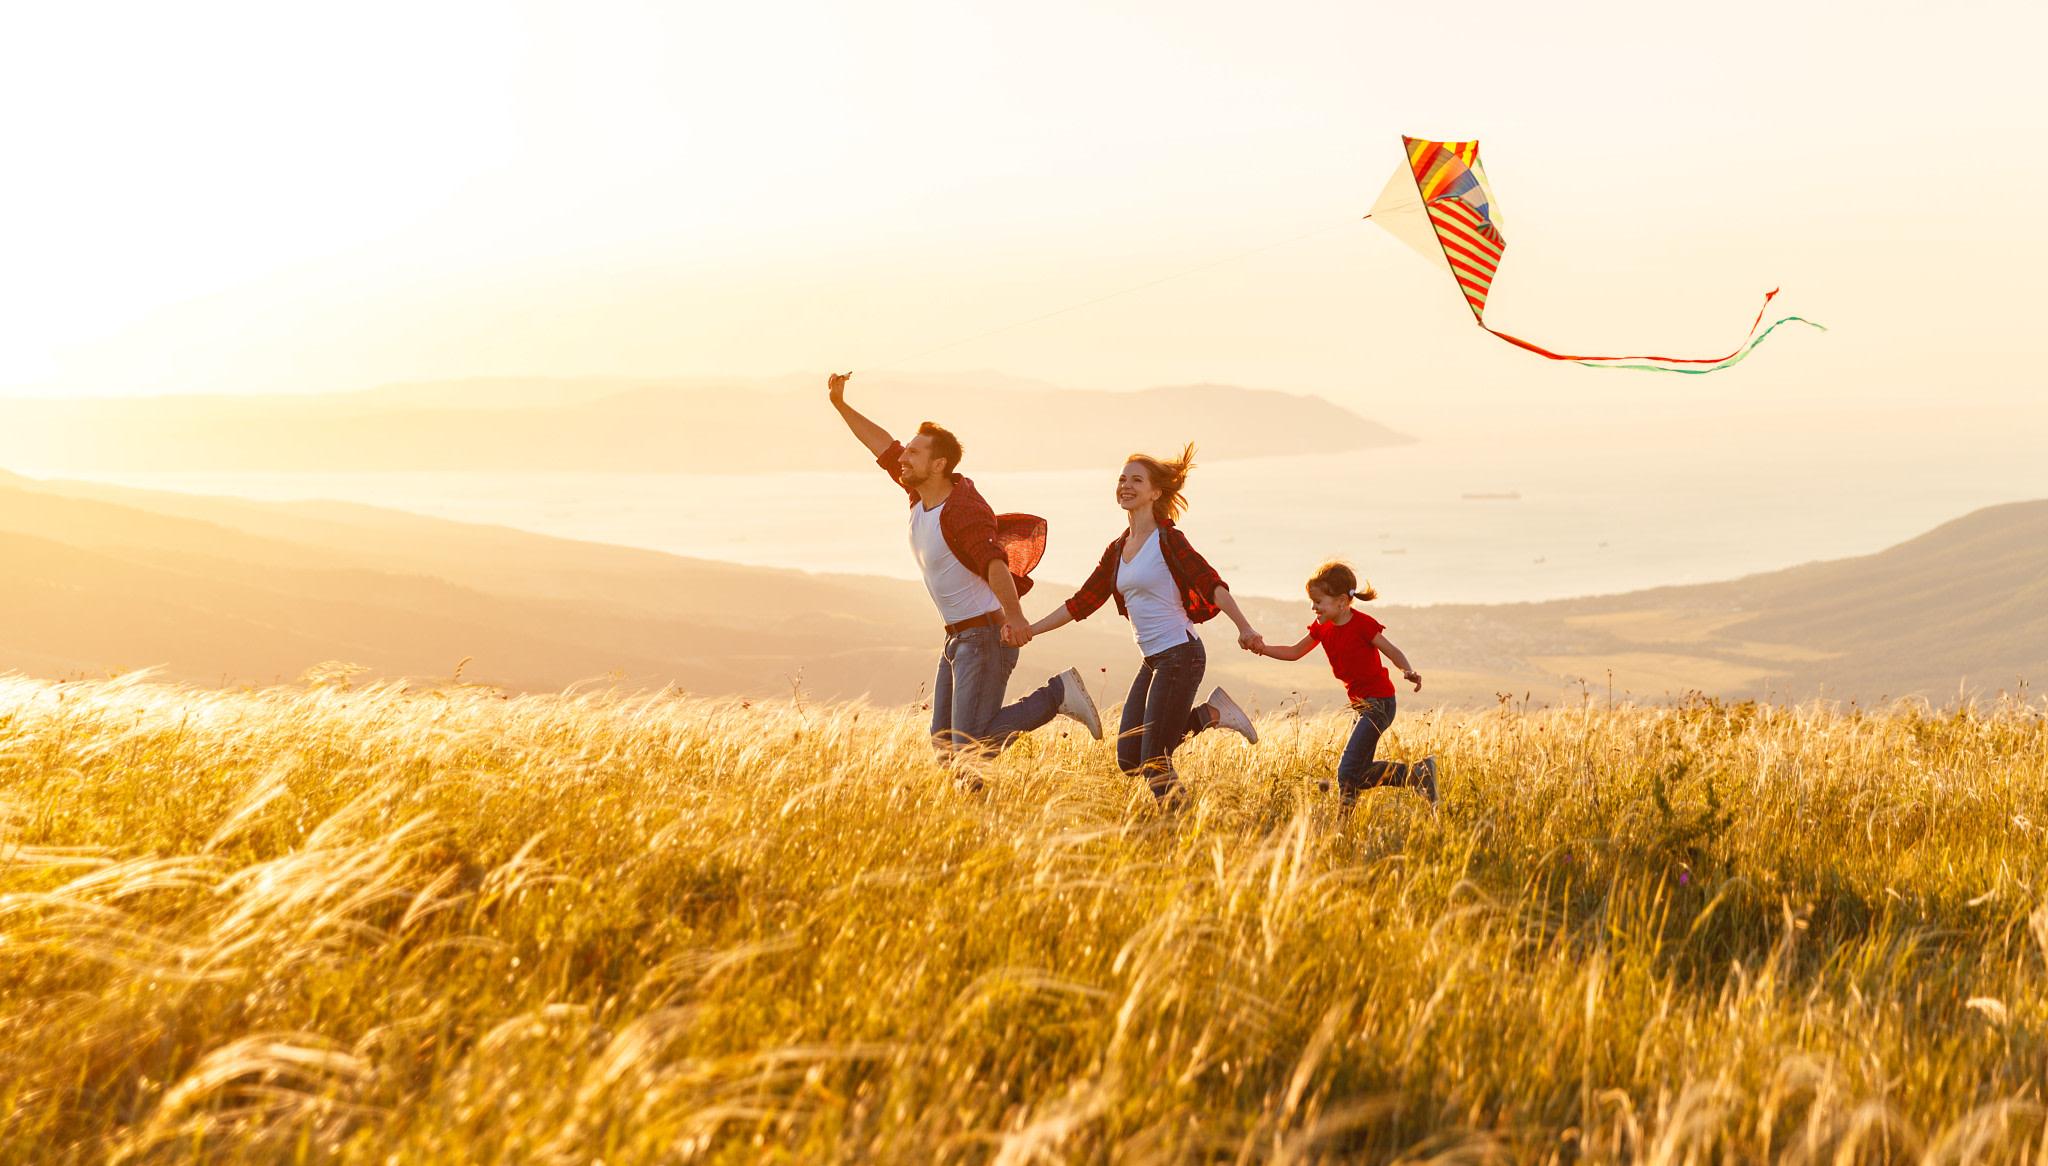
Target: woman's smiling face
[1134, 488]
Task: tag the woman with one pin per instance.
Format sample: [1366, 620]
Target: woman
[1164, 587]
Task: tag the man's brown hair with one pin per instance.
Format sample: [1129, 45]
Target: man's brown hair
[944, 445]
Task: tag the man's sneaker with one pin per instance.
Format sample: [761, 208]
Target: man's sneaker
[1229, 716]
[1076, 703]
[1425, 778]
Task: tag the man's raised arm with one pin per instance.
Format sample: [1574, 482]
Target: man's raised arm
[873, 436]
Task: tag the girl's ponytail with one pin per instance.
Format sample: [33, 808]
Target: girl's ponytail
[1335, 578]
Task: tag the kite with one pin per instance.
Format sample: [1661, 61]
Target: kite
[1438, 203]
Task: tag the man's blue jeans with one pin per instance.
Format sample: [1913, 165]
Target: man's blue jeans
[967, 696]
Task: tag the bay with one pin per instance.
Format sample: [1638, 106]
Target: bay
[1497, 521]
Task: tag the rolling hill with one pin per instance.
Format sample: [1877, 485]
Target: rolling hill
[1965, 604]
[97, 579]
[101, 579]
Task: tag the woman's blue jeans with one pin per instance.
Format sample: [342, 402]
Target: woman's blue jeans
[1160, 713]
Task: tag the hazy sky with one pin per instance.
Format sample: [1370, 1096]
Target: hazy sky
[248, 197]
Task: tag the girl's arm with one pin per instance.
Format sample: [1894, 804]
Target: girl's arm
[1248, 637]
[1058, 617]
[1399, 658]
[1290, 652]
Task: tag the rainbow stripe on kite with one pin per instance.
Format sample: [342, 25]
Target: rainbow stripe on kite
[1438, 203]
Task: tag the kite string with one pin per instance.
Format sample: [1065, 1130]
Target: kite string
[1241, 255]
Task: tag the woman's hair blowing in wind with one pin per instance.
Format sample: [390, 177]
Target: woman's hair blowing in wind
[1170, 478]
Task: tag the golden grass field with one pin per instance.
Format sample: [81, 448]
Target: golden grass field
[378, 926]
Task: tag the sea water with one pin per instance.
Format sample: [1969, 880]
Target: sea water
[1427, 523]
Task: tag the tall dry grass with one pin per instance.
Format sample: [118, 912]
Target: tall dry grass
[373, 926]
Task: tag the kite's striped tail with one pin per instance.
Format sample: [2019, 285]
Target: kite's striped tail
[1679, 364]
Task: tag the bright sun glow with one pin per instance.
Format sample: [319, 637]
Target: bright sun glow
[253, 197]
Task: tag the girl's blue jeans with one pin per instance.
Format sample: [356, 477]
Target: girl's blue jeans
[1356, 769]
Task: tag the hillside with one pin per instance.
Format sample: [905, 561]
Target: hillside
[1962, 607]
[676, 425]
[101, 579]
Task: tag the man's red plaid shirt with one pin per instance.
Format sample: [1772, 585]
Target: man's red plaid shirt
[974, 532]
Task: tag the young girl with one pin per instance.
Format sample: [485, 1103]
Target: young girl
[1353, 641]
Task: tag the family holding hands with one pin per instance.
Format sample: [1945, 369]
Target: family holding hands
[976, 565]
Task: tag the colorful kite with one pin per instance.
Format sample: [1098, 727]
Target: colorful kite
[1439, 205]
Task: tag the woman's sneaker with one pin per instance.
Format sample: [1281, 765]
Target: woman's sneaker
[1076, 703]
[1229, 716]
[1425, 778]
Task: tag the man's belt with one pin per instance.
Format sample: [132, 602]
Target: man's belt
[987, 619]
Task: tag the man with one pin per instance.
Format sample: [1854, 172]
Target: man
[965, 555]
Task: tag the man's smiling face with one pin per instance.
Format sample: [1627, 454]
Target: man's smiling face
[915, 465]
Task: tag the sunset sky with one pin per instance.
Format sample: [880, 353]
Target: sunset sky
[264, 197]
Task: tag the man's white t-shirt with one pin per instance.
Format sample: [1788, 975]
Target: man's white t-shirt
[958, 592]
[1152, 600]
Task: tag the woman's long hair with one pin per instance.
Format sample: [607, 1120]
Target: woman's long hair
[1170, 478]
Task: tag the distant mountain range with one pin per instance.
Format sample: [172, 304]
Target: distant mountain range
[98, 579]
[694, 425]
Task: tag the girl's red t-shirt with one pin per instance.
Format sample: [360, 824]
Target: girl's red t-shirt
[1353, 658]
